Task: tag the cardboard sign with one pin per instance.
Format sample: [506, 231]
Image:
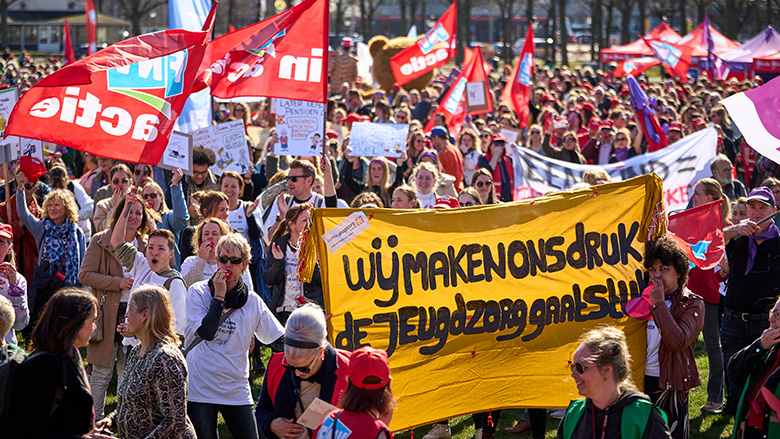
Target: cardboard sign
[511, 135]
[228, 142]
[300, 127]
[476, 97]
[178, 153]
[378, 139]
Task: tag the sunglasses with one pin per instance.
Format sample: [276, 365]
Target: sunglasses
[294, 178]
[466, 204]
[536, 132]
[29, 186]
[303, 370]
[146, 172]
[235, 261]
[579, 367]
[569, 139]
[152, 195]
[485, 136]
[484, 183]
[123, 181]
[620, 139]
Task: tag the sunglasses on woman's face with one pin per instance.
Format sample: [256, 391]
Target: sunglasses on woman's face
[466, 204]
[579, 367]
[233, 260]
[569, 139]
[485, 136]
[303, 370]
[483, 183]
[122, 181]
[620, 139]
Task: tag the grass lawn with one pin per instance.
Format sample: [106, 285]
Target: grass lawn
[703, 426]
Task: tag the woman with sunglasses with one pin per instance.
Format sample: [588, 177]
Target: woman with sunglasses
[482, 182]
[223, 315]
[202, 266]
[414, 147]
[119, 184]
[211, 204]
[534, 141]
[309, 368]
[569, 150]
[469, 197]
[624, 148]
[601, 369]
[174, 219]
[281, 267]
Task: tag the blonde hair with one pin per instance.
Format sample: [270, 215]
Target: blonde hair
[430, 167]
[64, 195]
[607, 345]
[7, 314]
[197, 237]
[234, 242]
[160, 322]
[164, 206]
[594, 175]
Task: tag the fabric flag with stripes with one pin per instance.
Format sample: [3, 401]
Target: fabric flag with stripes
[756, 112]
[518, 89]
[699, 231]
[675, 57]
[433, 50]
[119, 103]
[284, 56]
[635, 66]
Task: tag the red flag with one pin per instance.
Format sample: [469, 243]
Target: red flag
[453, 106]
[119, 103]
[477, 74]
[468, 53]
[231, 28]
[518, 90]
[67, 46]
[635, 66]
[433, 50]
[280, 57]
[91, 27]
[675, 58]
[699, 231]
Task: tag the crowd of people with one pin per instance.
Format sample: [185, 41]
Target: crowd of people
[174, 282]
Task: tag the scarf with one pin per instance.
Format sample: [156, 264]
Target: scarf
[771, 232]
[61, 250]
[234, 298]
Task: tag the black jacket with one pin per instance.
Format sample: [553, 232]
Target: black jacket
[275, 276]
[33, 398]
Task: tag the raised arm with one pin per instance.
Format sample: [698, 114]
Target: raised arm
[118, 235]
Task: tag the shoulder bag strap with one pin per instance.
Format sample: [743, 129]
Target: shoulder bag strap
[196, 341]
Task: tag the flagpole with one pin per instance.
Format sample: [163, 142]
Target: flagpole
[325, 79]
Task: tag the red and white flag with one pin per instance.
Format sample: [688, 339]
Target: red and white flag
[119, 103]
[478, 72]
[91, 26]
[635, 66]
[435, 49]
[675, 57]
[518, 90]
[281, 57]
[756, 112]
[699, 231]
[68, 56]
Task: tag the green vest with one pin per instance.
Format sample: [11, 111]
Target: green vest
[633, 420]
[774, 428]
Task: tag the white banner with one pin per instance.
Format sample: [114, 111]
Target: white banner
[680, 166]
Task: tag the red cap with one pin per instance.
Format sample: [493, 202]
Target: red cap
[548, 98]
[675, 126]
[6, 231]
[595, 123]
[624, 91]
[696, 121]
[352, 117]
[331, 134]
[498, 138]
[365, 119]
[369, 362]
[32, 168]
[639, 307]
[759, 80]
[607, 124]
[446, 202]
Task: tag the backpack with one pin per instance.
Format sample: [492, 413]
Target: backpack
[11, 356]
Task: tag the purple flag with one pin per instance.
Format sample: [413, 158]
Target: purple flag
[720, 68]
[757, 112]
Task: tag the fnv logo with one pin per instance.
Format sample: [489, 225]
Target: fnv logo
[434, 39]
[151, 82]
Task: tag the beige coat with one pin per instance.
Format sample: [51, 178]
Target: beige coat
[103, 211]
[102, 273]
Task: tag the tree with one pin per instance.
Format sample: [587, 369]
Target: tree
[137, 10]
[608, 28]
[625, 7]
[596, 36]
[642, 6]
[4, 23]
[367, 10]
[507, 10]
[564, 32]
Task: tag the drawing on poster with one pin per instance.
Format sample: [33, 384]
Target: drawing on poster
[299, 127]
[228, 142]
[178, 153]
[378, 139]
[31, 147]
[8, 98]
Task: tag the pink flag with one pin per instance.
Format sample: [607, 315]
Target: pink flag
[756, 113]
[719, 67]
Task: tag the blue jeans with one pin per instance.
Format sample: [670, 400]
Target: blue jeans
[735, 335]
[240, 420]
[711, 333]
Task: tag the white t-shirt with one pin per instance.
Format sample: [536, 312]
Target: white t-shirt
[210, 269]
[237, 220]
[292, 286]
[605, 152]
[427, 201]
[21, 310]
[316, 200]
[652, 367]
[219, 369]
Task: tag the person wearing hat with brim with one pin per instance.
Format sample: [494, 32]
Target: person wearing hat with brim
[367, 404]
[753, 253]
[675, 132]
[450, 157]
[498, 163]
[32, 167]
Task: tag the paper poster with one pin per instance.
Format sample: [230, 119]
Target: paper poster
[378, 139]
[511, 135]
[178, 153]
[476, 97]
[315, 413]
[299, 126]
[8, 98]
[31, 147]
[228, 142]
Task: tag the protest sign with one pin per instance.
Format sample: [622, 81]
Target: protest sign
[680, 166]
[468, 300]
[178, 153]
[299, 126]
[378, 139]
[476, 97]
[31, 147]
[8, 98]
[228, 142]
[511, 135]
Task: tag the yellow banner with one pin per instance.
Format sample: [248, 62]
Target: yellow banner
[481, 308]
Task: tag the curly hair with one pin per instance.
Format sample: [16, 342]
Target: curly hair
[666, 250]
[66, 197]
